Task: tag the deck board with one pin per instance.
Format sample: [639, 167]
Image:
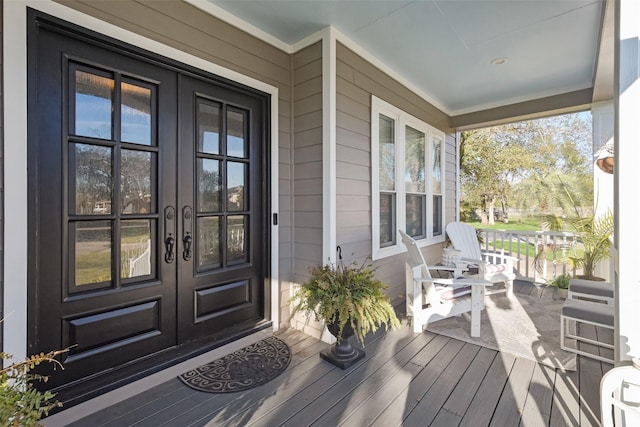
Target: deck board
[537, 408]
[427, 408]
[483, 405]
[401, 407]
[304, 364]
[406, 379]
[590, 373]
[392, 370]
[514, 395]
[446, 419]
[398, 407]
[463, 394]
[348, 388]
[110, 413]
[566, 407]
[396, 388]
[385, 370]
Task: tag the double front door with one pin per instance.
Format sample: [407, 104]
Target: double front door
[147, 204]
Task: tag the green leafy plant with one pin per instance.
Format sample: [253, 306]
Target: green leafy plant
[594, 234]
[346, 294]
[21, 404]
[561, 281]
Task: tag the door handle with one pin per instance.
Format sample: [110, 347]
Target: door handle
[186, 254]
[187, 238]
[169, 256]
[169, 234]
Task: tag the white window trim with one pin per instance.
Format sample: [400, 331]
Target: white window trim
[402, 119]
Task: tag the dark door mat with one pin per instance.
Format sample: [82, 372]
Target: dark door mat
[241, 370]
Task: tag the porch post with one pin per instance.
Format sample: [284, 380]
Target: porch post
[626, 177]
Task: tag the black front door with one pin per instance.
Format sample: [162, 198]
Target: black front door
[147, 204]
[221, 208]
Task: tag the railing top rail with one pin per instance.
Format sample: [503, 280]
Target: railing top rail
[530, 233]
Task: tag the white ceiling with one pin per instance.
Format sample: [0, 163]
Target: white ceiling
[445, 47]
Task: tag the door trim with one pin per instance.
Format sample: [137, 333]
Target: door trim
[15, 152]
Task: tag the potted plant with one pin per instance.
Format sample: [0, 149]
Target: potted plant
[593, 241]
[594, 234]
[351, 301]
[561, 283]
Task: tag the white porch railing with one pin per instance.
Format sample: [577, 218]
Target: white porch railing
[524, 245]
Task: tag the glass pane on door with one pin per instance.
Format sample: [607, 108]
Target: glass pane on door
[135, 248]
[236, 178]
[92, 243]
[209, 242]
[135, 181]
[93, 105]
[208, 127]
[236, 140]
[135, 114]
[209, 185]
[90, 179]
[236, 239]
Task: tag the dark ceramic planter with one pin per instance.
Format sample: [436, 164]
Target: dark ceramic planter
[342, 354]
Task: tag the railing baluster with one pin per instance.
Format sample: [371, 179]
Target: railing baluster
[556, 243]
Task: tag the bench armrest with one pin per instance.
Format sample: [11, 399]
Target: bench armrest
[456, 282]
[446, 268]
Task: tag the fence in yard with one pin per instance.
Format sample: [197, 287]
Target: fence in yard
[555, 249]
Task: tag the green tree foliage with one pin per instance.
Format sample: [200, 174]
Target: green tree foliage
[490, 166]
[543, 166]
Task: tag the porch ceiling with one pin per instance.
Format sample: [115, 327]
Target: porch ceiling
[445, 48]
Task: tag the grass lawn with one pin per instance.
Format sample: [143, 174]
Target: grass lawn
[525, 224]
[523, 249]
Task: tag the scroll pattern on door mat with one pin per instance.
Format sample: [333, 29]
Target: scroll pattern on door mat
[241, 370]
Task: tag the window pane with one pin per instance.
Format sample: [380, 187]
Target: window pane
[94, 96]
[92, 240]
[209, 185]
[209, 242]
[415, 216]
[437, 215]
[91, 171]
[135, 114]
[236, 174]
[135, 248]
[387, 219]
[235, 239]
[415, 161]
[387, 160]
[235, 134]
[436, 174]
[208, 127]
[135, 181]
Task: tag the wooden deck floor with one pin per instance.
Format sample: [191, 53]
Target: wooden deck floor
[406, 379]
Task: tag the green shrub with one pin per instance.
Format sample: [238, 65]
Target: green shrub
[21, 404]
[347, 294]
[561, 281]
